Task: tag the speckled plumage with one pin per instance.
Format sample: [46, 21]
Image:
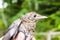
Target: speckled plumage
[25, 26]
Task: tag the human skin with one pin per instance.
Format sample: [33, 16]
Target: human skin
[21, 36]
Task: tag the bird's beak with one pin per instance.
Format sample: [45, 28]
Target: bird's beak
[41, 17]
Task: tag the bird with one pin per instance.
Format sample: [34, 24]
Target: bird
[24, 28]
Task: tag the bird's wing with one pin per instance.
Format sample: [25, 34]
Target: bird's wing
[13, 29]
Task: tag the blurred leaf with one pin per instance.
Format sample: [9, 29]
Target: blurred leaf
[18, 15]
[1, 23]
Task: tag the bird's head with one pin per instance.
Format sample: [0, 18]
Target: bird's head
[33, 16]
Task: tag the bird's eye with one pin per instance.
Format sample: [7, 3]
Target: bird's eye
[34, 15]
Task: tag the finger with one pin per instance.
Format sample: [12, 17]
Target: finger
[20, 36]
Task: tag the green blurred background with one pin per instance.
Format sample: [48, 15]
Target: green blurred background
[16, 8]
